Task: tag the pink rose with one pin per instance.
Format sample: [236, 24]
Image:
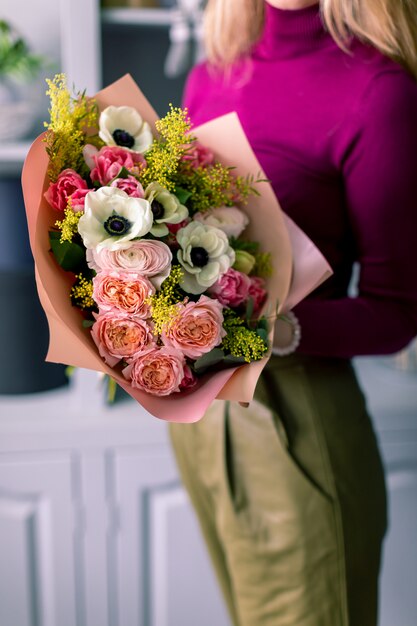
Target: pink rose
[197, 329]
[232, 288]
[147, 257]
[159, 371]
[197, 155]
[190, 379]
[120, 337]
[257, 292]
[122, 291]
[109, 160]
[67, 184]
[130, 185]
[78, 199]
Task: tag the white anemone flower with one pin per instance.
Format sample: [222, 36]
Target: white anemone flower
[124, 127]
[166, 209]
[111, 218]
[205, 255]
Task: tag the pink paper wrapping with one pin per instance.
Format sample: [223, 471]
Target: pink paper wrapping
[298, 266]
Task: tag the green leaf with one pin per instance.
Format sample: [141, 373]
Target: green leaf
[231, 361]
[209, 359]
[88, 323]
[182, 194]
[69, 255]
[241, 244]
[124, 173]
[263, 323]
[249, 309]
[111, 390]
[262, 333]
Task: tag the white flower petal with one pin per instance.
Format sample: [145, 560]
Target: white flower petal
[190, 284]
[108, 201]
[159, 230]
[129, 120]
[144, 139]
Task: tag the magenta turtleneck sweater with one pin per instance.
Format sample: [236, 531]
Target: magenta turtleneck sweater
[336, 134]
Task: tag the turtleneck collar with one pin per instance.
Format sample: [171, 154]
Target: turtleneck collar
[289, 33]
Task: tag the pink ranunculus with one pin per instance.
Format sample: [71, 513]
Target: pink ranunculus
[130, 185]
[109, 160]
[124, 292]
[232, 288]
[159, 371]
[190, 379]
[197, 155]
[197, 329]
[147, 257]
[118, 336]
[257, 292]
[67, 184]
[78, 199]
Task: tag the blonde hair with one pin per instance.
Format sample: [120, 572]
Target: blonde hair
[233, 26]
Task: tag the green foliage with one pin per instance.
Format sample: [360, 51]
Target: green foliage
[71, 122]
[263, 265]
[241, 341]
[164, 156]
[15, 58]
[217, 359]
[69, 255]
[164, 302]
[213, 186]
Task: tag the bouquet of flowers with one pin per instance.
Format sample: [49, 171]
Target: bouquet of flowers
[156, 259]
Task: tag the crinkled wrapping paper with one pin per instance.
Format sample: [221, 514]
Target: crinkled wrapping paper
[298, 266]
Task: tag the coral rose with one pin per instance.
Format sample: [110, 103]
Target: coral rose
[143, 256]
[118, 336]
[159, 371]
[108, 161]
[68, 182]
[197, 328]
[121, 291]
[232, 288]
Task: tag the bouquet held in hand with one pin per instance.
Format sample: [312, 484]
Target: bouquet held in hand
[154, 239]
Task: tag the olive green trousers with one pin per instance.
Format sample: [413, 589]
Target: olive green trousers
[290, 496]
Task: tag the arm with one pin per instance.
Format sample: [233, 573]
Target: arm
[380, 176]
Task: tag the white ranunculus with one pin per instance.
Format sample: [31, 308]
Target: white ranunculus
[205, 254]
[111, 218]
[229, 219]
[166, 210]
[124, 127]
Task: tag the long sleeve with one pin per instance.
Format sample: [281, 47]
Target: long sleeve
[379, 169]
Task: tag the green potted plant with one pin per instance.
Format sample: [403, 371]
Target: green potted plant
[18, 70]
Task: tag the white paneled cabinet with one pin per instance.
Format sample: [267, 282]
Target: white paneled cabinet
[38, 525]
[95, 527]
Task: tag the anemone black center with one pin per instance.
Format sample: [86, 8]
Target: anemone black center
[123, 138]
[117, 225]
[158, 210]
[199, 256]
